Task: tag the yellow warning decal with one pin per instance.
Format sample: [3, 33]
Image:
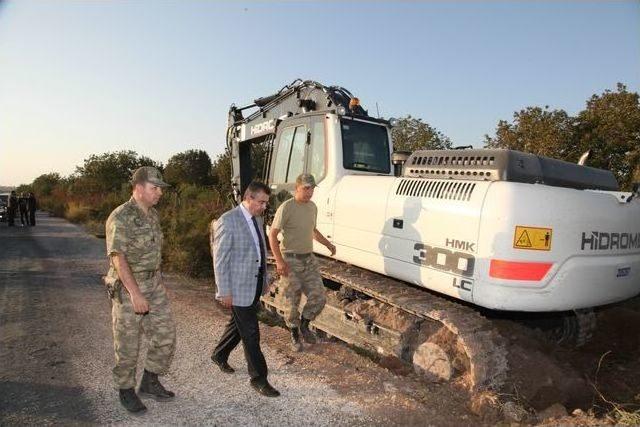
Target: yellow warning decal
[535, 238]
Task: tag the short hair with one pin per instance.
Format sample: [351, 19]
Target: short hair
[256, 187]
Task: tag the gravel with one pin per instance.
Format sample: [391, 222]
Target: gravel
[56, 353]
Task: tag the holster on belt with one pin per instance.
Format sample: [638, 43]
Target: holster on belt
[114, 288]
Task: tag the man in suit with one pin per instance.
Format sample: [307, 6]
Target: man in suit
[239, 261]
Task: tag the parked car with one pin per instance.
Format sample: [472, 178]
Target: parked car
[4, 200]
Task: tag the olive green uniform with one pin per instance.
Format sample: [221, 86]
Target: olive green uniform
[297, 222]
[138, 236]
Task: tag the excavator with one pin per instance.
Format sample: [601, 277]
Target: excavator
[429, 242]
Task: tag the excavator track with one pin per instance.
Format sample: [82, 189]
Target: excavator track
[473, 334]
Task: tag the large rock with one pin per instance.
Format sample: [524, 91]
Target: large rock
[556, 410]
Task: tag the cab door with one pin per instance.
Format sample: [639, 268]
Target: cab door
[317, 165]
[288, 161]
[300, 147]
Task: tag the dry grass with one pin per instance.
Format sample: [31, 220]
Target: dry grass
[621, 416]
[620, 413]
[77, 212]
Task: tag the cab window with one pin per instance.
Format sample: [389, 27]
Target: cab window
[290, 156]
[365, 147]
[316, 151]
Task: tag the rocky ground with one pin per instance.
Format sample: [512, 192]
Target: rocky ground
[56, 355]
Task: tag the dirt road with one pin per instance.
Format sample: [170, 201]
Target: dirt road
[56, 354]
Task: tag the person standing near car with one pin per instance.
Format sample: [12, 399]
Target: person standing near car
[295, 262]
[12, 206]
[22, 206]
[134, 243]
[31, 208]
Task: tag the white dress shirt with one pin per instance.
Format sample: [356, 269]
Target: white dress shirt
[253, 230]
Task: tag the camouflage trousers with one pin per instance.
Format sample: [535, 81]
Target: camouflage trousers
[304, 278]
[157, 325]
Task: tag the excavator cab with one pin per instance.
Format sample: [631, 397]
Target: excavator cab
[295, 131]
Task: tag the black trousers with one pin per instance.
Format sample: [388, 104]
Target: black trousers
[243, 326]
[11, 215]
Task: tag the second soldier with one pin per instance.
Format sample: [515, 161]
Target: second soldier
[295, 262]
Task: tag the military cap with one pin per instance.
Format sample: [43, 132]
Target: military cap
[306, 180]
[148, 174]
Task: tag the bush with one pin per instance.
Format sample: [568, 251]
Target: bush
[55, 202]
[186, 213]
[56, 208]
[105, 205]
[186, 210]
[77, 212]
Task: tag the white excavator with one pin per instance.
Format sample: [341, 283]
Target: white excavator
[429, 241]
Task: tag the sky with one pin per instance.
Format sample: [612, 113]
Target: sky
[157, 77]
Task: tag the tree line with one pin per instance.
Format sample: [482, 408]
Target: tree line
[608, 127]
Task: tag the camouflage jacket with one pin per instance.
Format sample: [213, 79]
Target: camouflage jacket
[136, 235]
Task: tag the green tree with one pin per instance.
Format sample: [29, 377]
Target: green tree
[189, 167]
[45, 184]
[609, 126]
[51, 191]
[538, 131]
[413, 134]
[108, 172]
[24, 188]
[221, 172]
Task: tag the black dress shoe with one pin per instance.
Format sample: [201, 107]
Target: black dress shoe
[224, 366]
[264, 388]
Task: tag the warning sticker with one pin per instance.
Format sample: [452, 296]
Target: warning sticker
[535, 238]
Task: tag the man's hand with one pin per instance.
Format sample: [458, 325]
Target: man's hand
[332, 248]
[282, 268]
[140, 304]
[226, 301]
[323, 240]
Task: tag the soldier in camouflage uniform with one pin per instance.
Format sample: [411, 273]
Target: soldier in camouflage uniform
[139, 300]
[295, 263]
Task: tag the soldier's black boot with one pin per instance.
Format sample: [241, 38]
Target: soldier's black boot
[296, 344]
[130, 400]
[150, 386]
[309, 336]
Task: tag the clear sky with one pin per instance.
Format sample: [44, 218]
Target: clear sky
[157, 77]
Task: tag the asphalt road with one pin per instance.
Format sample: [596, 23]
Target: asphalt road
[56, 354]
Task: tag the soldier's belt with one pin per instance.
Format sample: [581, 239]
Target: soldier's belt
[298, 256]
[145, 274]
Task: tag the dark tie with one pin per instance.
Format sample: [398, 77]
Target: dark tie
[262, 257]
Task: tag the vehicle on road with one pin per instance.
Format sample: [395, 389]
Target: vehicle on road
[4, 200]
[428, 241]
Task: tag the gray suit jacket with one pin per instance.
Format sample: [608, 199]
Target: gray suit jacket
[235, 258]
